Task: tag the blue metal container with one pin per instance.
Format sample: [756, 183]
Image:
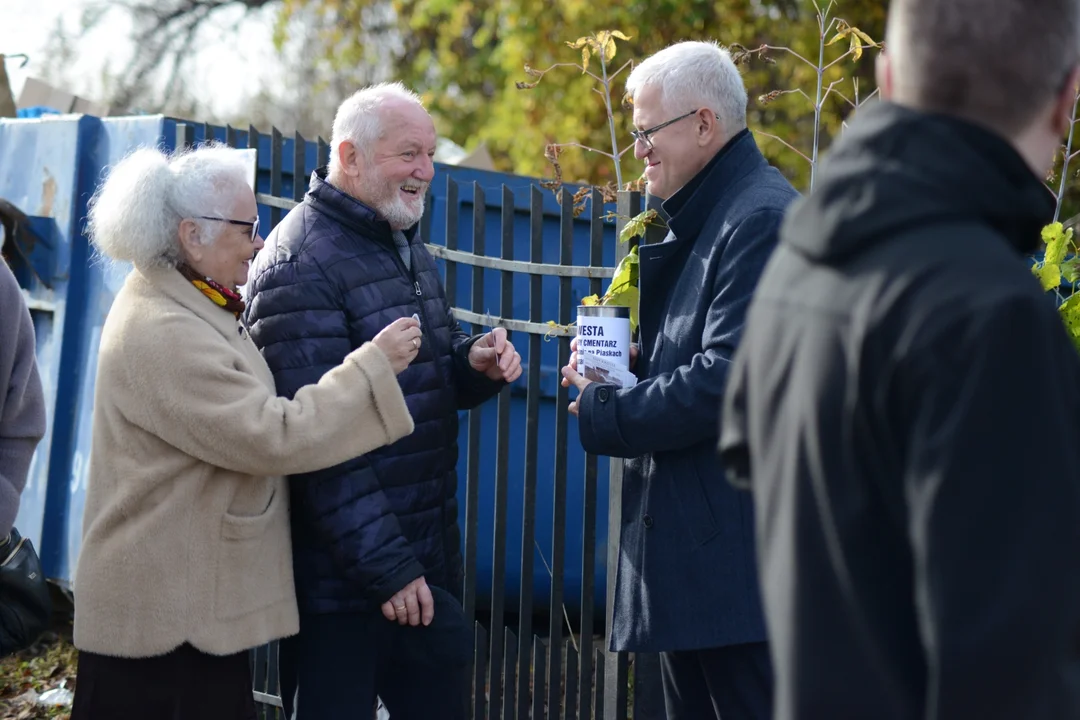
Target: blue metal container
[50, 167]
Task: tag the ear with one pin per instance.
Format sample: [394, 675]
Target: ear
[349, 158]
[708, 127]
[1065, 102]
[883, 73]
[190, 240]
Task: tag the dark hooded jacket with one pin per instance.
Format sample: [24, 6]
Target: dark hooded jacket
[905, 408]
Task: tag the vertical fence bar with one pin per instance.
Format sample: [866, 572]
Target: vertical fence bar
[253, 139]
[231, 138]
[588, 526]
[322, 155]
[509, 667]
[598, 696]
[570, 705]
[452, 207]
[185, 136]
[502, 471]
[207, 132]
[532, 451]
[479, 663]
[615, 667]
[299, 168]
[539, 656]
[562, 419]
[275, 174]
[472, 487]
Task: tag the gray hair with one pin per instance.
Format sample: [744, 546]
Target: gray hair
[359, 121]
[693, 75]
[136, 212]
[995, 62]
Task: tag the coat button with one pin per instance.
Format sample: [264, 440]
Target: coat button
[647, 521]
[602, 394]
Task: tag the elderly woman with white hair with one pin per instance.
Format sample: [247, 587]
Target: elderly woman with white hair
[186, 560]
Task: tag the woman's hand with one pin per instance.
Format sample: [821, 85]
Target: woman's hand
[400, 342]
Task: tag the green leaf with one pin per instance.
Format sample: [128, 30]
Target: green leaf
[1071, 270]
[626, 275]
[1057, 241]
[1070, 315]
[627, 296]
[590, 300]
[635, 226]
[1049, 275]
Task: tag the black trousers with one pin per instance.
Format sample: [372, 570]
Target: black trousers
[185, 684]
[727, 683]
[342, 661]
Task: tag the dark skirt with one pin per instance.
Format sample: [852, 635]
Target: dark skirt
[185, 684]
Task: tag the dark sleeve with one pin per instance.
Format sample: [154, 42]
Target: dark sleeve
[678, 409]
[993, 493]
[298, 320]
[473, 388]
[22, 402]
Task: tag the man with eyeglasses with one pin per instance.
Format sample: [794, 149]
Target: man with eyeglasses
[687, 586]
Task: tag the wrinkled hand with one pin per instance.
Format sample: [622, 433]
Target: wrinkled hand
[495, 356]
[572, 377]
[400, 342]
[412, 605]
[574, 358]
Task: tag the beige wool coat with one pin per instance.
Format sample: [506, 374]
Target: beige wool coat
[186, 530]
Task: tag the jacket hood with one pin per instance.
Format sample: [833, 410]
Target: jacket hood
[896, 168]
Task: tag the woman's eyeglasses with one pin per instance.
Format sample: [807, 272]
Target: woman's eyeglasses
[253, 224]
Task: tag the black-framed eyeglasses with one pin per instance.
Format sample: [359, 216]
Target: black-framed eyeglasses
[642, 136]
[253, 224]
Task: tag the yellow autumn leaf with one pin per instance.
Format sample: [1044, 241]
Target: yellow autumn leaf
[866, 39]
[616, 33]
[590, 300]
[580, 42]
[843, 31]
[584, 59]
[609, 49]
[856, 47]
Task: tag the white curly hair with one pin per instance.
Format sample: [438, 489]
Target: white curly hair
[136, 212]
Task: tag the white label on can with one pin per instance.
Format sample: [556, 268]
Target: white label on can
[604, 337]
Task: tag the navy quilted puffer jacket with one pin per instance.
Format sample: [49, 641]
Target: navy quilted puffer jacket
[328, 280]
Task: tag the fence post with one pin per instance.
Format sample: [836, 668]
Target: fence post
[615, 667]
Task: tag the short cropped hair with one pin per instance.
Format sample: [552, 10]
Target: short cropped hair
[359, 121]
[136, 212]
[995, 62]
[693, 75]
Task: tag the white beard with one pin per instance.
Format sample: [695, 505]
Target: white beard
[400, 213]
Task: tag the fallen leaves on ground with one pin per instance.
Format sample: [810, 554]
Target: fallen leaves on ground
[24, 676]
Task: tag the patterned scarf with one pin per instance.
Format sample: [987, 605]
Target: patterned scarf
[218, 294]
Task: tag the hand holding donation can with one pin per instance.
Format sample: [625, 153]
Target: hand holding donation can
[603, 344]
